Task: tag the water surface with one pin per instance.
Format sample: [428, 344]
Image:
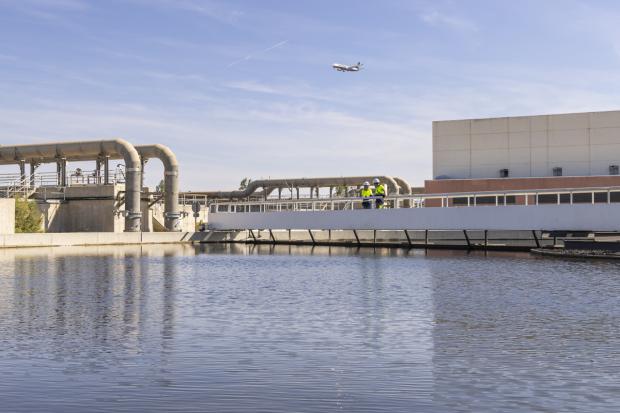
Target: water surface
[299, 329]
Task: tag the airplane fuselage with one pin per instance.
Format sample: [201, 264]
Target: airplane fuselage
[346, 68]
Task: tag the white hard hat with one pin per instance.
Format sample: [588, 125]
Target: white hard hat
[366, 183]
[375, 181]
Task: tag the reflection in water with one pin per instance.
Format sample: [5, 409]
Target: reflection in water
[281, 328]
[523, 334]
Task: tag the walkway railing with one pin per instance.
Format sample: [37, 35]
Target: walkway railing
[14, 184]
[452, 200]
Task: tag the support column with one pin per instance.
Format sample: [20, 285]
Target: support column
[142, 163]
[33, 169]
[22, 170]
[58, 172]
[106, 170]
[98, 162]
[467, 238]
[63, 164]
[536, 239]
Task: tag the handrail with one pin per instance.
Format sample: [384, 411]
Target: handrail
[419, 200]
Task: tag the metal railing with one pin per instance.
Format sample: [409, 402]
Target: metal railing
[19, 188]
[449, 200]
[13, 184]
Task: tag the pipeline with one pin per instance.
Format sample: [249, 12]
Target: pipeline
[67, 151]
[405, 188]
[271, 184]
[172, 216]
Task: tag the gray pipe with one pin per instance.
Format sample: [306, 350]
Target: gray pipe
[91, 150]
[172, 216]
[254, 186]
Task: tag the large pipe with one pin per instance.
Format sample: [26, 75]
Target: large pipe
[172, 216]
[67, 151]
[271, 184]
[405, 188]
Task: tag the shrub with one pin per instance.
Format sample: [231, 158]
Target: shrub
[27, 216]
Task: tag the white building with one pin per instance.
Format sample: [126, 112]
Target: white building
[581, 144]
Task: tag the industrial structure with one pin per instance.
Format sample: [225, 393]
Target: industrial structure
[537, 177]
[94, 201]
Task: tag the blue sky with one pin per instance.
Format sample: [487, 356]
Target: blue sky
[245, 88]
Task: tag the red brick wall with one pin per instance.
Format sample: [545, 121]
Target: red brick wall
[443, 186]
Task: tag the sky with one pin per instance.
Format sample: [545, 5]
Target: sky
[246, 89]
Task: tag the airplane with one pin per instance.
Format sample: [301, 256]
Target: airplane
[345, 68]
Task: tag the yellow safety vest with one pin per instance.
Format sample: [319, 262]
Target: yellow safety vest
[366, 193]
[380, 190]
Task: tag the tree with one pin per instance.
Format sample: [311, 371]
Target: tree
[161, 187]
[27, 216]
[342, 191]
[244, 183]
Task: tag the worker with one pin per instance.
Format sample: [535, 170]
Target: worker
[366, 194]
[379, 193]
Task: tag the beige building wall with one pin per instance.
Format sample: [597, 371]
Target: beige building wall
[582, 144]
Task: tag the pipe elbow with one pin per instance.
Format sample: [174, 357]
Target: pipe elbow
[128, 151]
[162, 152]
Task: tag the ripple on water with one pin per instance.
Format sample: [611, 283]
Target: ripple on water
[236, 328]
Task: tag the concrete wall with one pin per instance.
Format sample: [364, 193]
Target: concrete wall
[7, 216]
[86, 209]
[530, 146]
[582, 217]
[101, 238]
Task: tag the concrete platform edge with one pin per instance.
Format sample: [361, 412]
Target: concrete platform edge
[101, 238]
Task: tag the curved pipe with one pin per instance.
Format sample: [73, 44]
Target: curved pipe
[254, 186]
[51, 152]
[172, 215]
[405, 188]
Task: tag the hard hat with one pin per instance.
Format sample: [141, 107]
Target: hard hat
[375, 181]
[366, 183]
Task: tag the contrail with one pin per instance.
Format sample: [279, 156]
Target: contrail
[251, 55]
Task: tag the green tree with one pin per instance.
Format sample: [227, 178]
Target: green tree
[161, 187]
[244, 183]
[27, 216]
[342, 191]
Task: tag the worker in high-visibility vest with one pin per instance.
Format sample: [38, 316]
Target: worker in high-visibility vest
[366, 194]
[379, 193]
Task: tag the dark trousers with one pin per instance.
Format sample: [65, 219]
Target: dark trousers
[379, 202]
[366, 204]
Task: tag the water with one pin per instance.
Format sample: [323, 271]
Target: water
[294, 329]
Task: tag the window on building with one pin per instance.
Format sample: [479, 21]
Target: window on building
[548, 199]
[485, 200]
[600, 197]
[613, 169]
[504, 173]
[557, 171]
[510, 200]
[582, 198]
[461, 201]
